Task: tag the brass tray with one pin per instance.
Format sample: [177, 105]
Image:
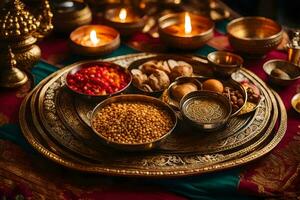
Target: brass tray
[78, 149]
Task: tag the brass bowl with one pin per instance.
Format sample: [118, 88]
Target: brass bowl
[169, 97]
[234, 85]
[96, 97]
[296, 102]
[292, 70]
[224, 63]
[181, 41]
[125, 28]
[134, 98]
[68, 15]
[215, 110]
[107, 48]
[254, 35]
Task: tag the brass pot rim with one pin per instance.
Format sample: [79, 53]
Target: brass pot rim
[232, 23]
[162, 19]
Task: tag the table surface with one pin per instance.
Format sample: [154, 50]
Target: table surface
[23, 172]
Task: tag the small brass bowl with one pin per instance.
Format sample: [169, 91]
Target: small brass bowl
[125, 28]
[290, 69]
[90, 64]
[215, 110]
[84, 31]
[225, 63]
[182, 41]
[296, 102]
[134, 98]
[254, 35]
[68, 15]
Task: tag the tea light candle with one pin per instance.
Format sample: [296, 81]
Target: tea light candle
[124, 20]
[94, 40]
[185, 30]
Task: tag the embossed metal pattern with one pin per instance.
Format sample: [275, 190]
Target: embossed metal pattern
[154, 164]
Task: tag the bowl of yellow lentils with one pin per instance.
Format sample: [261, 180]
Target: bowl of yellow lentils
[133, 122]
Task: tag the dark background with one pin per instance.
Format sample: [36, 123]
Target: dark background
[287, 12]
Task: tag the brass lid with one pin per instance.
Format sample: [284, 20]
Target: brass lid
[16, 21]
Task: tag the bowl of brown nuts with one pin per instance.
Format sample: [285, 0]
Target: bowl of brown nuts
[153, 75]
[133, 122]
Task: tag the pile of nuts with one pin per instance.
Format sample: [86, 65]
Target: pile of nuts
[132, 122]
[236, 98]
[98, 80]
[156, 75]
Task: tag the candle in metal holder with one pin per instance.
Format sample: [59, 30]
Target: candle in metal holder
[92, 40]
[125, 20]
[185, 30]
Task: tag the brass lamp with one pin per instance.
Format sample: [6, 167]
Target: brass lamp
[20, 29]
[10, 76]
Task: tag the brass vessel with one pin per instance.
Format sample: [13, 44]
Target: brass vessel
[20, 29]
[10, 76]
[254, 36]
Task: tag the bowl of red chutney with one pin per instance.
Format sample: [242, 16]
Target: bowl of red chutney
[98, 79]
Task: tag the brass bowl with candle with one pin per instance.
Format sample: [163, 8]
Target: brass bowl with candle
[94, 40]
[254, 35]
[185, 30]
[125, 20]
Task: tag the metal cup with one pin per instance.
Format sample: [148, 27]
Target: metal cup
[294, 55]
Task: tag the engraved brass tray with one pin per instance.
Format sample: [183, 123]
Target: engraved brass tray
[56, 124]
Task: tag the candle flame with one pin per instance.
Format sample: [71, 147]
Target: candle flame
[93, 36]
[187, 23]
[123, 14]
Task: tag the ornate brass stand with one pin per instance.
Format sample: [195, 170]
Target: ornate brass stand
[20, 30]
[11, 76]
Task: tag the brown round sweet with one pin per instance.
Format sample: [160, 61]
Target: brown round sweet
[180, 90]
[213, 85]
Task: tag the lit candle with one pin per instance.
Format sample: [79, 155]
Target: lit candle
[94, 39]
[186, 28]
[187, 23]
[123, 15]
[125, 20]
